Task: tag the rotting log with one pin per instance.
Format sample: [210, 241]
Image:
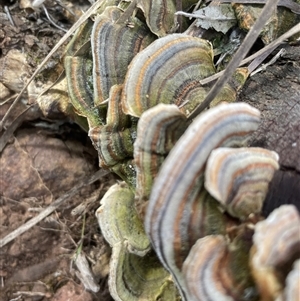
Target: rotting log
[276, 93]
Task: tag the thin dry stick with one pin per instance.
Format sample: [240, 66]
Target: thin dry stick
[82, 19]
[293, 6]
[239, 55]
[128, 12]
[281, 52]
[85, 182]
[14, 125]
[272, 46]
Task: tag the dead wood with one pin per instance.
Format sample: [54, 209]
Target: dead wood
[276, 93]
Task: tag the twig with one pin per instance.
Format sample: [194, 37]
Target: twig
[40, 3]
[81, 20]
[14, 125]
[258, 61]
[128, 12]
[30, 294]
[85, 182]
[6, 9]
[272, 46]
[197, 5]
[16, 299]
[293, 6]
[202, 17]
[281, 52]
[239, 55]
[50, 19]
[8, 99]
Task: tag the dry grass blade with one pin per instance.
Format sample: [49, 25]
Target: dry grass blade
[82, 19]
[267, 48]
[127, 14]
[14, 125]
[293, 6]
[99, 174]
[239, 55]
[262, 67]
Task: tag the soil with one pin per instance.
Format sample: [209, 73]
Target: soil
[46, 158]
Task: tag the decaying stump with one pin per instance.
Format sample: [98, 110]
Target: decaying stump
[276, 93]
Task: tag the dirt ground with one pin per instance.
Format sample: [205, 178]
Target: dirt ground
[46, 158]
[37, 168]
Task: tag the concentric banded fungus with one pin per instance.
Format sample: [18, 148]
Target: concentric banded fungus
[78, 68]
[114, 46]
[135, 274]
[167, 71]
[206, 219]
[159, 15]
[114, 141]
[276, 244]
[135, 278]
[180, 210]
[119, 221]
[176, 187]
[92, 72]
[239, 178]
[78, 72]
[158, 130]
[80, 38]
[292, 289]
[214, 271]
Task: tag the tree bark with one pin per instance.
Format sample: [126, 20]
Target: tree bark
[276, 93]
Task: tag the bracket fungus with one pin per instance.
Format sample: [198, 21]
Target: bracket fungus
[114, 45]
[91, 73]
[292, 289]
[216, 270]
[175, 189]
[180, 224]
[114, 140]
[135, 273]
[239, 178]
[169, 71]
[158, 130]
[276, 245]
